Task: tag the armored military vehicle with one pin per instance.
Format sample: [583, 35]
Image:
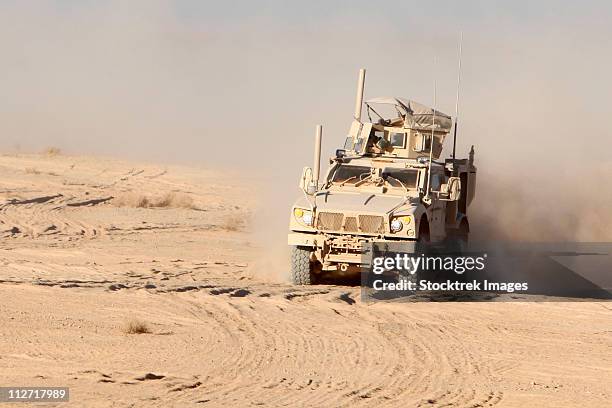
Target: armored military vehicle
[386, 184]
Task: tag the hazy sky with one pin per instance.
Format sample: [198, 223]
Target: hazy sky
[243, 84]
[177, 79]
[218, 82]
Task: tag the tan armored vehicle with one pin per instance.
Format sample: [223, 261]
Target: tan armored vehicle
[385, 185]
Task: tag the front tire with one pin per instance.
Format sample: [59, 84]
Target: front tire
[301, 266]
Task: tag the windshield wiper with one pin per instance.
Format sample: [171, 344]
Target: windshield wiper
[354, 177]
[347, 180]
[369, 178]
[399, 181]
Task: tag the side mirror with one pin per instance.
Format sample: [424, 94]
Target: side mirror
[306, 181]
[340, 153]
[451, 191]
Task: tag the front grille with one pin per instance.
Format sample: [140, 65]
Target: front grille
[371, 224]
[330, 221]
[350, 224]
[337, 222]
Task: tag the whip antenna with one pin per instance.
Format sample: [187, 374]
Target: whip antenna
[433, 125]
[457, 105]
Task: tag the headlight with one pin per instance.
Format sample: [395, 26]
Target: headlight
[303, 216]
[396, 225]
[307, 218]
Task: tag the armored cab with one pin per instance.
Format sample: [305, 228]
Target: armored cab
[410, 135]
[386, 184]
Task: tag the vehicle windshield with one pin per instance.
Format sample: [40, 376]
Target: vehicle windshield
[393, 177]
[349, 174]
[407, 178]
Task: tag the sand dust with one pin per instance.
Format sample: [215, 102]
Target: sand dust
[159, 305]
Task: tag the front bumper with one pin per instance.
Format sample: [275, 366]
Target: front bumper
[319, 239]
[305, 239]
[336, 249]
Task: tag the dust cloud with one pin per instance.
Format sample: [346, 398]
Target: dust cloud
[149, 81]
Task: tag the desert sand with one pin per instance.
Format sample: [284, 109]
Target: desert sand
[96, 250]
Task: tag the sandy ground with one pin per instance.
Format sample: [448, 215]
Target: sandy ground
[76, 266]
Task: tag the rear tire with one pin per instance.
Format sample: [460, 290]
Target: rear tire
[301, 266]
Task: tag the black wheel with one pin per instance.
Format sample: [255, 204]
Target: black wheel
[301, 266]
[422, 247]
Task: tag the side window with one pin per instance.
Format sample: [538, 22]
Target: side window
[363, 136]
[422, 142]
[427, 142]
[348, 143]
[359, 145]
[398, 140]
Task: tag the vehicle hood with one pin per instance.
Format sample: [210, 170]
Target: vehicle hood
[357, 202]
